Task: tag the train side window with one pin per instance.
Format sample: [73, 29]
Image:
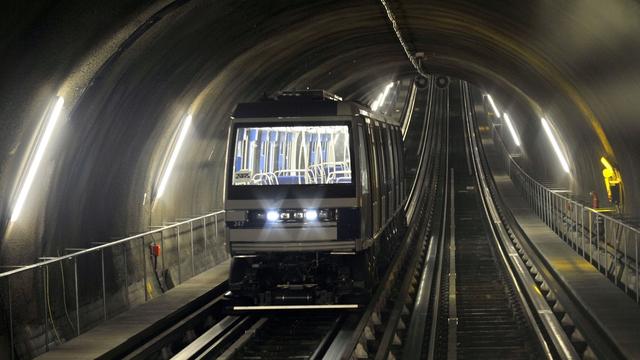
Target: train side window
[382, 171]
[387, 171]
[398, 164]
[394, 168]
[373, 163]
[400, 167]
[363, 157]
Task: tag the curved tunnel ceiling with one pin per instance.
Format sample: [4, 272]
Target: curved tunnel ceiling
[573, 61]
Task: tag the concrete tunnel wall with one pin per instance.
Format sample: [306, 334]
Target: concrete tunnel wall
[575, 61]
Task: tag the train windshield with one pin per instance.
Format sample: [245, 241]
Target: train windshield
[292, 155]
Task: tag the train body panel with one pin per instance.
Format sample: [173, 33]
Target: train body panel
[312, 195]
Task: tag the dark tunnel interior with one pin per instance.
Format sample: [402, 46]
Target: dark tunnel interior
[131, 71]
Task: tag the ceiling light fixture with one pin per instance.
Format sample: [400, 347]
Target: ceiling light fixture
[493, 105]
[554, 144]
[37, 158]
[512, 129]
[174, 155]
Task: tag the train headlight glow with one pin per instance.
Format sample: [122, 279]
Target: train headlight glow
[311, 215]
[272, 215]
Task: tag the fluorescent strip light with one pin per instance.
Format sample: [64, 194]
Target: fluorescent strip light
[35, 162]
[493, 105]
[556, 147]
[381, 97]
[172, 160]
[374, 106]
[512, 130]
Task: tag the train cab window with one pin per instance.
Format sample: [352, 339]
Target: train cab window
[292, 155]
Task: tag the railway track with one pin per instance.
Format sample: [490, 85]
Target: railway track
[460, 285]
[481, 315]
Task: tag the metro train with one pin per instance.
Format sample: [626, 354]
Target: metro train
[314, 200]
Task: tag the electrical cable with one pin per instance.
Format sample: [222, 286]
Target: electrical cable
[46, 295]
[414, 61]
[64, 296]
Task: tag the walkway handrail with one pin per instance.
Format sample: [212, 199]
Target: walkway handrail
[107, 245]
[609, 244]
[514, 162]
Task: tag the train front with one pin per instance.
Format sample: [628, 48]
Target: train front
[292, 214]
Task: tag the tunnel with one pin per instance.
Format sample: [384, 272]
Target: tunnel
[96, 97]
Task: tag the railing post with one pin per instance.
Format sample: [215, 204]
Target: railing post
[575, 225]
[582, 229]
[179, 262]
[104, 286]
[598, 238]
[537, 201]
[548, 207]
[541, 208]
[162, 249]
[193, 264]
[555, 211]
[126, 275]
[75, 282]
[626, 280]
[590, 237]
[9, 298]
[545, 207]
[45, 327]
[204, 227]
[143, 258]
[637, 282]
[215, 219]
[606, 248]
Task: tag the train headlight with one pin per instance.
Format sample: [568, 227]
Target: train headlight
[311, 215]
[285, 216]
[324, 214]
[272, 215]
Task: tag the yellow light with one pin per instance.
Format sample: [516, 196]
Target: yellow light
[512, 130]
[606, 163]
[493, 105]
[37, 158]
[174, 155]
[554, 144]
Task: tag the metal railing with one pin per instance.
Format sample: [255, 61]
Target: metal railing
[609, 244]
[130, 265]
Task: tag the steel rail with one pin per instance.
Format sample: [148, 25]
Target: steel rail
[410, 205]
[441, 242]
[352, 339]
[537, 306]
[408, 115]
